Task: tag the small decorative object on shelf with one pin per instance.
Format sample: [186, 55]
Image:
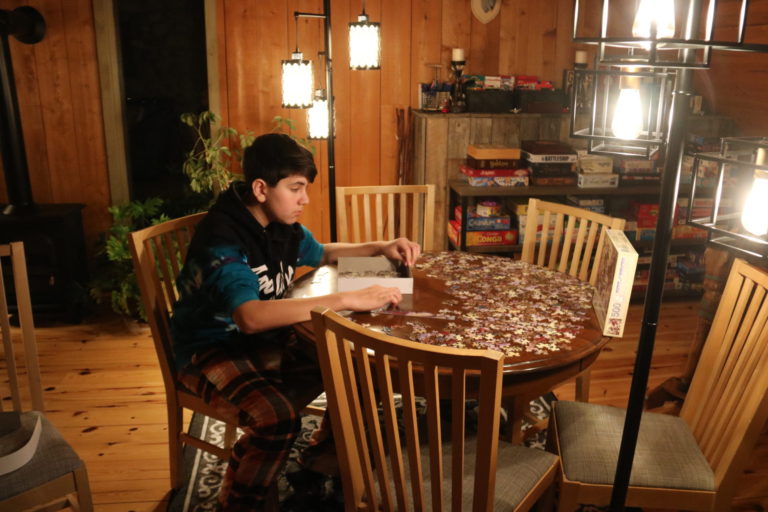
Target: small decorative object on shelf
[459, 99]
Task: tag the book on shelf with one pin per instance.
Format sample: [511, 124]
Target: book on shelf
[481, 238]
[494, 163]
[613, 288]
[595, 164]
[493, 173]
[585, 200]
[492, 151]
[598, 180]
[548, 151]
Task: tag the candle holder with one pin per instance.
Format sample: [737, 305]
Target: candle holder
[458, 100]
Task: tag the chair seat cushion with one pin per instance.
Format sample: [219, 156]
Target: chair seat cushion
[518, 470]
[53, 458]
[667, 454]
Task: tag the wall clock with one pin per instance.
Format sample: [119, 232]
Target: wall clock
[485, 10]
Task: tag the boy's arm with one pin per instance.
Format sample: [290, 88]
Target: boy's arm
[261, 315]
[397, 249]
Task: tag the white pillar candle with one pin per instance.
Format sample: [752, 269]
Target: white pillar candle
[581, 57]
[457, 54]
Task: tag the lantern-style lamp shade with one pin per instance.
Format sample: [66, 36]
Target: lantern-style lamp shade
[297, 82]
[364, 44]
[621, 110]
[317, 116]
[754, 216]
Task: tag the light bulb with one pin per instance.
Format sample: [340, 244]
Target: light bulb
[628, 115]
[364, 44]
[297, 82]
[661, 11]
[754, 217]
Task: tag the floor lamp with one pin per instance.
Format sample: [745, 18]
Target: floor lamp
[297, 80]
[639, 107]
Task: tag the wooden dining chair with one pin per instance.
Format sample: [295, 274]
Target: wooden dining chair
[570, 240]
[384, 212]
[159, 252]
[566, 238]
[694, 461]
[49, 473]
[391, 463]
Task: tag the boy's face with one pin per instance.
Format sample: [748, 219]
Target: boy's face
[285, 201]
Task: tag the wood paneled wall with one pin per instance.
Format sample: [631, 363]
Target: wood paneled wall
[58, 83]
[59, 101]
[528, 37]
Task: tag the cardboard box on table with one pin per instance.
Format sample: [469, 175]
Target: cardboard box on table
[355, 273]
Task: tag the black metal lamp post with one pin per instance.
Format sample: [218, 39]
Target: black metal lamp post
[367, 34]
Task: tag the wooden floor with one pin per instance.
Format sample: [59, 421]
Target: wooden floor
[104, 392]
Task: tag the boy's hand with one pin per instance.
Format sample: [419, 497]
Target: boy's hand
[370, 298]
[402, 249]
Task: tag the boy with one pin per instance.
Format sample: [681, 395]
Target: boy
[231, 327]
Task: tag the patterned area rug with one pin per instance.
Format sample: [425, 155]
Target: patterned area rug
[298, 490]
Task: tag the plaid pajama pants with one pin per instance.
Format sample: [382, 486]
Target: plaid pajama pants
[262, 387]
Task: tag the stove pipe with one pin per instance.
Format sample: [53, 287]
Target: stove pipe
[27, 25]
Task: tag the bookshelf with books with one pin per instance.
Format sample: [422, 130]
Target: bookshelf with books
[685, 257]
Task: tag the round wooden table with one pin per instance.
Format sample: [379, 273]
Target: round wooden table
[542, 320]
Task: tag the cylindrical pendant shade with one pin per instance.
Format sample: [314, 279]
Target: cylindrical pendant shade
[317, 118]
[364, 44]
[297, 82]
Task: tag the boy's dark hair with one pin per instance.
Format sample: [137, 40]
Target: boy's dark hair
[274, 156]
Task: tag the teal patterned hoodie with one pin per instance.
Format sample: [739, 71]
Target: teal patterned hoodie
[233, 259]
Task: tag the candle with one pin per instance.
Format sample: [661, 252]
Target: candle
[581, 57]
[457, 54]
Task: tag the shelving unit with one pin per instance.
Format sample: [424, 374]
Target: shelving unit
[463, 194]
[440, 142]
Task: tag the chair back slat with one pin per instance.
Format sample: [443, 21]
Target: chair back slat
[370, 414]
[726, 405]
[412, 437]
[394, 211]
[371, 448]
[384, 374]
[435, 435]
[567, 247]
[391, 214]
[458, 431]
[566, 238]
[34, 387]
[578, 248]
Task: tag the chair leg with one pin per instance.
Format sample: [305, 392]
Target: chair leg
[582, 385]
[566, 501]
[230, 436]
[175, 446]
[84, 498]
